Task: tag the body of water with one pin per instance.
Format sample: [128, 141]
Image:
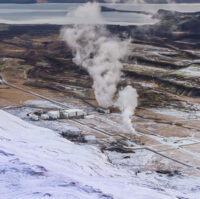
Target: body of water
[56, 13]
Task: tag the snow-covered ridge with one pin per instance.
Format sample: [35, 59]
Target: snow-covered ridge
[37, 163]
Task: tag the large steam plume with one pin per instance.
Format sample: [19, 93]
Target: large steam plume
[99, 52]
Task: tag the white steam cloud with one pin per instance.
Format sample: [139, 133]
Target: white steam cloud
[127, 102]
[89, 13]
[100, 55]
[99, 52]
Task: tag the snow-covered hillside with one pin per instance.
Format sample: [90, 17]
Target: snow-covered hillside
[37, 163]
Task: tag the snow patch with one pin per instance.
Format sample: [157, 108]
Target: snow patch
[36, 163]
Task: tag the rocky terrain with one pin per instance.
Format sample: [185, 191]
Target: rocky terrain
[160, 57]
[164, 66]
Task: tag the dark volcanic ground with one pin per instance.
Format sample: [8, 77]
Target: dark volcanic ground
[158, 67]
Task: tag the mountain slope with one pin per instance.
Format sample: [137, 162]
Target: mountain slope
[36, 163]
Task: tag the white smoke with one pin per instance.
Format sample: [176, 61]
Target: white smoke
[127, 102]
[99, 52]
[89, 13]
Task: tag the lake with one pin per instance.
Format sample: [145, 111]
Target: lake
[55, 13]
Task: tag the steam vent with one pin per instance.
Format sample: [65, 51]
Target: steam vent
[99, 100]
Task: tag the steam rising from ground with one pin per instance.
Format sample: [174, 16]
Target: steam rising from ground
[99, 52]
[95, 50]
[127, 102]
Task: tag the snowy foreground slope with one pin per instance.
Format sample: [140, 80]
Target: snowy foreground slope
[37, 163]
